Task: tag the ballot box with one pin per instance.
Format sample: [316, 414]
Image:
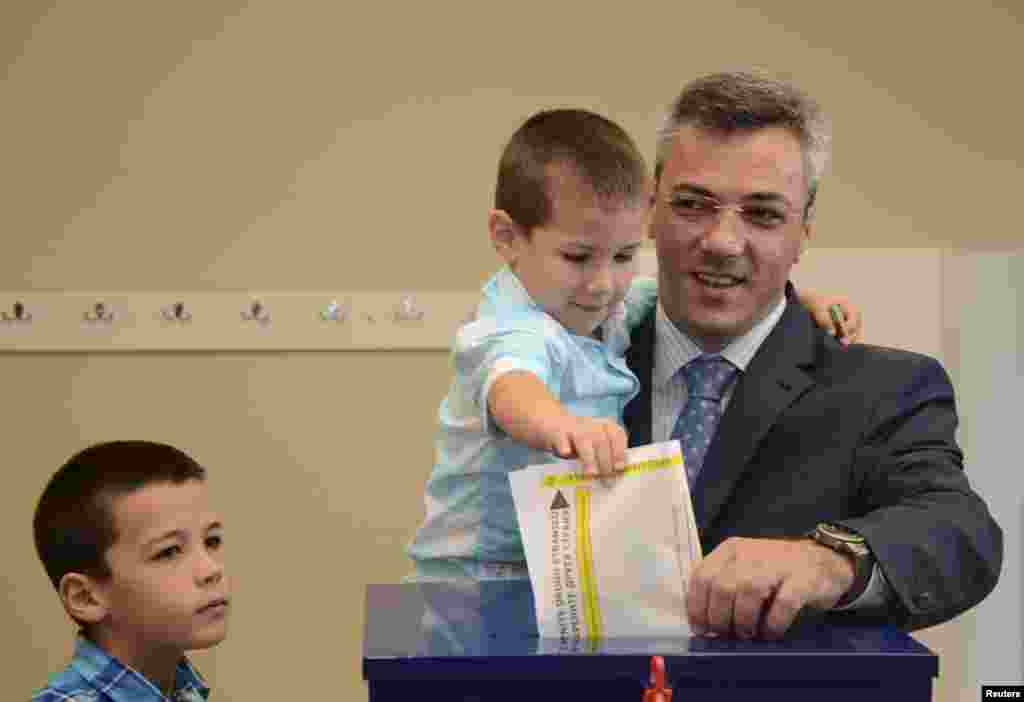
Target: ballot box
[440, 641]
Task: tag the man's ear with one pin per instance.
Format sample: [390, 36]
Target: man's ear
[506, 235]
[83, 599]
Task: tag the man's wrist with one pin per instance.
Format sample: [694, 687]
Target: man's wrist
[852, 546]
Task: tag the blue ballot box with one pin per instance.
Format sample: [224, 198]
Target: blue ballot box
[442, 641]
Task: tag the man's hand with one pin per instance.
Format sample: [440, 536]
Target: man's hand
[599, 444]
[754, 588]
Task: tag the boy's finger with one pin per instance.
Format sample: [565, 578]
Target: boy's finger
[618, 439]
[606, 461]
[603, 456]
[838, 316]
[585, 453]
[563, 449]
[855, 327]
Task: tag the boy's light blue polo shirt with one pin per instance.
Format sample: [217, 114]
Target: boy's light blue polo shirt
[93, 675]
[470, 515]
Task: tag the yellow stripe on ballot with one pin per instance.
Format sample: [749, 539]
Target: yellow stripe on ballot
[563, 479]
[585, 561]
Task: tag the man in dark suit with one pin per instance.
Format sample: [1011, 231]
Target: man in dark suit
[824, 477]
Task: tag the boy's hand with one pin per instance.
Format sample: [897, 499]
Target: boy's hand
[846, 323]
[598, 444]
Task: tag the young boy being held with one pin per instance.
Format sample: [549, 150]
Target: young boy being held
[540, 371]
[126, 534]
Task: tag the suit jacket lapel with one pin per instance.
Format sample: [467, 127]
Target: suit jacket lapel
[640, 358]
[775, 378]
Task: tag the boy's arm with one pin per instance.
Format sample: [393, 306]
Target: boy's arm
[847, 325]
[523, 407]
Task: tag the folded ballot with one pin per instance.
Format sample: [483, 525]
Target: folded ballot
[609, 558]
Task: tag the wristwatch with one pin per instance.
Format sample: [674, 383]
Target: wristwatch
[851, 544]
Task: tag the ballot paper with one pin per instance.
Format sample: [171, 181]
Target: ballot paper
[609, 558]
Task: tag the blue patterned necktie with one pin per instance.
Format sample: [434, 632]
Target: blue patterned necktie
[706, 378]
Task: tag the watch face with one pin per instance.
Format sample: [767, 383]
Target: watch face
[841, 539]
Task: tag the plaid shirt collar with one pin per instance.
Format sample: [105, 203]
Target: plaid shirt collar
[123, 684]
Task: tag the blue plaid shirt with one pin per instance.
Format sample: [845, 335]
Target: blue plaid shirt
[94, 676]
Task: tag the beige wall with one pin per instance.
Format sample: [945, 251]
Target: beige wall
[312, 146]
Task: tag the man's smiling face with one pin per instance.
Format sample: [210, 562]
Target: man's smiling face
[722, 270]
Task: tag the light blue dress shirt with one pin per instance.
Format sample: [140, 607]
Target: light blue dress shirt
[470, 529]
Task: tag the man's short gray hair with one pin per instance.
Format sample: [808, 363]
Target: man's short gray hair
[741, 101]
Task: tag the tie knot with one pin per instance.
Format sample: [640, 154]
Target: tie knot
[707, 377]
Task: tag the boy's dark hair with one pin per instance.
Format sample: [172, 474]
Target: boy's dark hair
[600, 152]
[74, 523]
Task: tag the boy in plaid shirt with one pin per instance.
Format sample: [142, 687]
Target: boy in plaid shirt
[128, 538]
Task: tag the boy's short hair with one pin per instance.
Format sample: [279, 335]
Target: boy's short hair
[74, 521]
[600, 152]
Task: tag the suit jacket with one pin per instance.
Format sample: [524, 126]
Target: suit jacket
[860, 435]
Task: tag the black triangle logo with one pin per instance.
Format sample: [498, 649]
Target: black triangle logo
[559, 502]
